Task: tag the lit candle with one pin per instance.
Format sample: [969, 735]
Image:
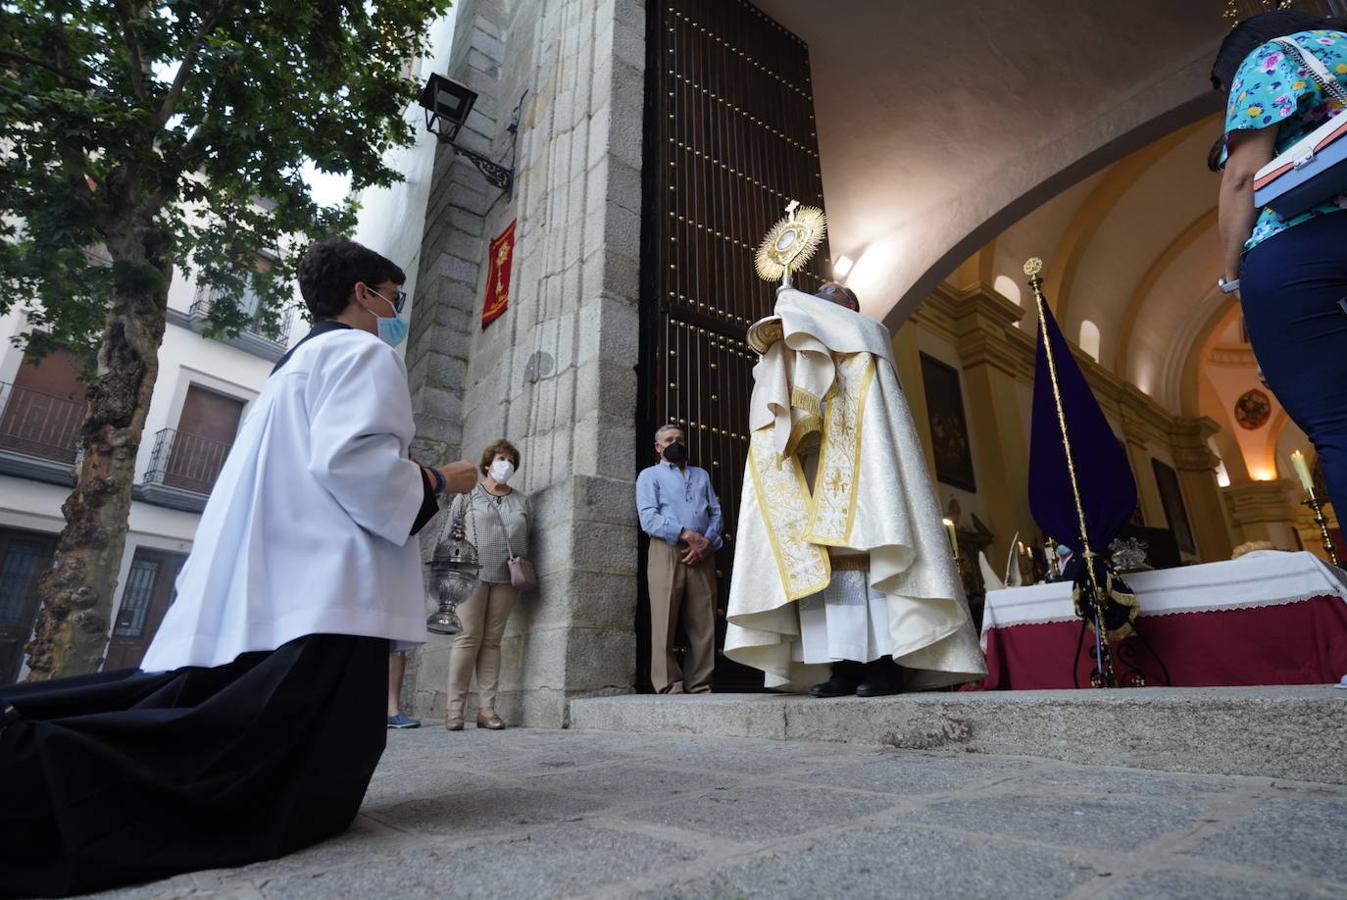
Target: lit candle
[953, 536]
[1303, 470]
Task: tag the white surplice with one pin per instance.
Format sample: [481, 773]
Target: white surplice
[307, 530]
[882, 504]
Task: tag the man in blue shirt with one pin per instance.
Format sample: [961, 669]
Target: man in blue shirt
[680, 513]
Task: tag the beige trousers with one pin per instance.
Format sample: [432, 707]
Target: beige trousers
[477, 646]
[690, 590]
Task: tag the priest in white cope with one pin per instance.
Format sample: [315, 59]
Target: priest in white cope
[259, 717]
[841, 559]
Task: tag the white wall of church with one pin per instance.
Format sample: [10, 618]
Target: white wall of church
[392, 219]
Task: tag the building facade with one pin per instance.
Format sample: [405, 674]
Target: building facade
[204, 388]
[652, 142]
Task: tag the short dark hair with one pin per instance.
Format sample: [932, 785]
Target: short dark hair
[329, 270]
[500, 446]
[1255, 31]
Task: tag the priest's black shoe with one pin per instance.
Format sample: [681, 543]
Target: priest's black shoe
[845, 675]
[880, 678]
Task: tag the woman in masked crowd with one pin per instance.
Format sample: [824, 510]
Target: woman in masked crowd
[1290, 272]
[496, 519]
[259, 717]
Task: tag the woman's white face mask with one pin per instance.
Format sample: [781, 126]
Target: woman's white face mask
[502, 470]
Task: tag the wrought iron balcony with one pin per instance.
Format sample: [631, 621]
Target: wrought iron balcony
[39, 434]
[183, 469]
[257, 337]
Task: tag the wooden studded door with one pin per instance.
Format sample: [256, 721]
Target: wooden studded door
[730, 140]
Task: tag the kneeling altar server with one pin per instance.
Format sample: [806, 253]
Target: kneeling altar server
[258, 718]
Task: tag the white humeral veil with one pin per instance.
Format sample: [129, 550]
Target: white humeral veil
[827, 370]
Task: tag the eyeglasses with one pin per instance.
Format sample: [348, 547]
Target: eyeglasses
[399, 298]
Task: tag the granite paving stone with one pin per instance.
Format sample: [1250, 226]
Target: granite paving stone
[548, 813]
[1179, 885]
[898, 861]
[1105, 823]
[552, 862]
[1319, 850]
[761, 811]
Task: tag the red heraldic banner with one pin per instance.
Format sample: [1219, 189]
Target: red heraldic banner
[498, 276]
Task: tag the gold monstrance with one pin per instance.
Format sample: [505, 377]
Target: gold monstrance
[790, 242]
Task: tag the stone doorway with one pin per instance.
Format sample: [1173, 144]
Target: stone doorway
[730, 141]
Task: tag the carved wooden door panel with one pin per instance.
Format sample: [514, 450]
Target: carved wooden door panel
[730, 140]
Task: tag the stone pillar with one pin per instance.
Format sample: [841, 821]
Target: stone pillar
[1196, 466]
[985, 323]
[1262, 511]
[1136, 442]
[556, 373]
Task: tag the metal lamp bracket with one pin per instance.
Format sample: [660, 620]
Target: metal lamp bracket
[497, 175]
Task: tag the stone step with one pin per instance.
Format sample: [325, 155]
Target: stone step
[1296, 732]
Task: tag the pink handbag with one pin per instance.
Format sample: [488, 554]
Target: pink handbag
[522, 574]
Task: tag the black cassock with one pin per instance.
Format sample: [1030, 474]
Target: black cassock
[122, 777]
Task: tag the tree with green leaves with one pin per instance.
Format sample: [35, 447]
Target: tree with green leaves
[138, 138]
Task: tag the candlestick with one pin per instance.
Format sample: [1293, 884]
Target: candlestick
[953, 536]
[1317, 505]
[1303, 470]
[1050, 552]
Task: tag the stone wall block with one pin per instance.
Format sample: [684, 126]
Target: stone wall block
[544, 658]
[600, 80]
[595, 227]
[439, 403]
[605, 388]
[445, 430]
[604, 499]
[623, 186]
[600, 125]
[622, 228]
[600, 658]
[585, 599]
[620, 274]
[609, 327]
[604, 446]
[603, 547]
[443, 370]
[457, 269]
[628, 113]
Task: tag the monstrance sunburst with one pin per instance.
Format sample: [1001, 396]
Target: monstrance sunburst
[791, 242]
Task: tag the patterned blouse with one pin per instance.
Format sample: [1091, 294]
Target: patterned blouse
[484, 528]
[1272, 88]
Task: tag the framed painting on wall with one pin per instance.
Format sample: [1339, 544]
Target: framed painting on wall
[949, 426]
[1171, 498]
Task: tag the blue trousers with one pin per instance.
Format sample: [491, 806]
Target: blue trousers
[1290, 288]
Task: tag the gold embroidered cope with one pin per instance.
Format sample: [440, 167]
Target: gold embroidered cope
[801, 524]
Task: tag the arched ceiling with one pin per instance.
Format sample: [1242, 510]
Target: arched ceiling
[942, 124]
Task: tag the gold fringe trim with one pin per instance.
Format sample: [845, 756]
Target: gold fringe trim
[850, 562]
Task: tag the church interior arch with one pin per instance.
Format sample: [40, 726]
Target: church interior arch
[1118, 203]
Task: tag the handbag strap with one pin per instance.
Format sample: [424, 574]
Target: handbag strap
[1327, 82]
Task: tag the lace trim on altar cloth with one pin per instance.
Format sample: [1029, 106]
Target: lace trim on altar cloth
[1155, 614]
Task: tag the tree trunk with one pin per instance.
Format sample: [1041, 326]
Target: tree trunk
[77, 592]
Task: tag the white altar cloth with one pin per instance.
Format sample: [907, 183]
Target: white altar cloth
[1262, 578]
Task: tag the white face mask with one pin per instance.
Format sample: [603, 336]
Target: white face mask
[501, 471]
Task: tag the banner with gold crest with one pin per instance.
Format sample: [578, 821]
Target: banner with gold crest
[499, 259]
